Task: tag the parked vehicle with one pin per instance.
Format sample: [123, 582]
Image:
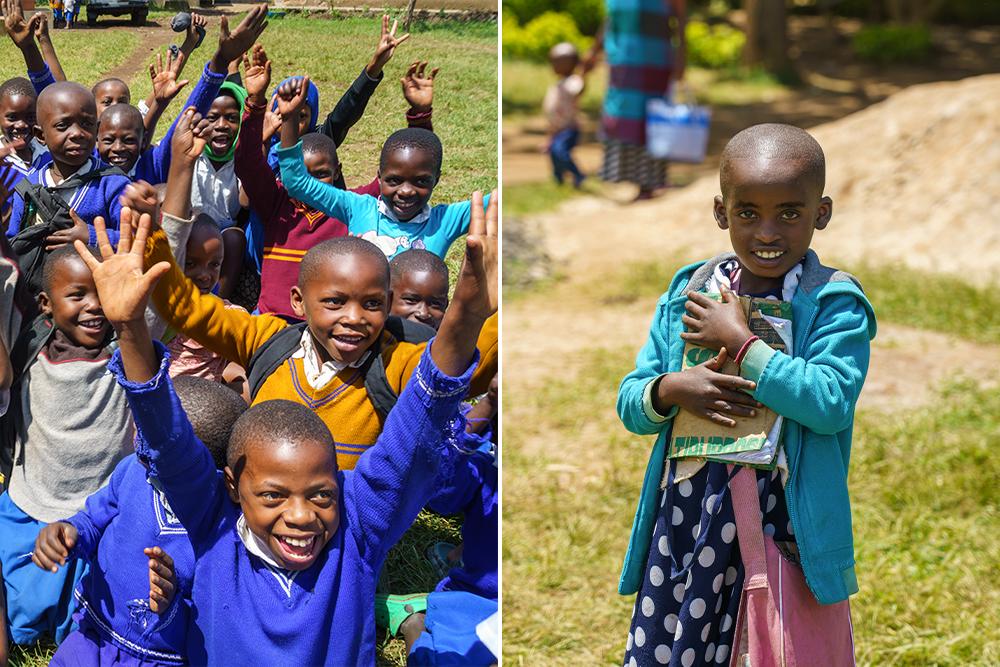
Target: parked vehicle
[137, 9]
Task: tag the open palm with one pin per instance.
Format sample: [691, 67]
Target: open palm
[477, 286]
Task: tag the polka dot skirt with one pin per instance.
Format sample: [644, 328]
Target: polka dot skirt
[686, 608]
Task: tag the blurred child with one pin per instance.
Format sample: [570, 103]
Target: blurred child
[683, 557]
[285, 514]
[419, 285]
[561, 107]
[117, 622]
[409, 170]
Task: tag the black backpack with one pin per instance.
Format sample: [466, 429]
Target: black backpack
[283, 344]
[24, 351]
[45, 213]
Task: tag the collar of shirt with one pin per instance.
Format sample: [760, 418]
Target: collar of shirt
[318, 372]
[37, 149]
[49, 181]
[419, 218]
[254, 544]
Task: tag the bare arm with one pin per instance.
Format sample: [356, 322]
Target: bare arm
[40, 27]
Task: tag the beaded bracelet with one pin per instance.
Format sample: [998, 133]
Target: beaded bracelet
[746, 348]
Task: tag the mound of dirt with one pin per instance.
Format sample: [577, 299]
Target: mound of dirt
[914, 179]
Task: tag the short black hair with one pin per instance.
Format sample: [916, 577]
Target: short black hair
[774, 140]
[212, 409]
[111, 79]
[416, 138]
[122, 110]
[205, 221]
[315, 142]
[331, 249]
[57, 257]
[417, 259]
[275, 421]
[17, 86]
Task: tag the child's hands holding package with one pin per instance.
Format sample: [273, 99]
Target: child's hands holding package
[715, 324]
[707, 392]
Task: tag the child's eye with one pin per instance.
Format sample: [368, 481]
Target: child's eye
[746, 215]
[412, 300]
[334, 301]
[323, 495]
[373, 304]
[269, 495]
[790, 215]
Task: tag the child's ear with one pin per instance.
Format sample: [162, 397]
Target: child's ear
[719, 211]
[231, 485]
[824, 213]
[298, 302]
[44, 303]
[37, 131]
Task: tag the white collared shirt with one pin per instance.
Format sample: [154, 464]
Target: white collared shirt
[37, 149]
[319, 372]
[67, 195]
[386, 210]
[216, 192]
[255, 545]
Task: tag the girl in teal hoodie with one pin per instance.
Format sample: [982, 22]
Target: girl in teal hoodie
[682, 558]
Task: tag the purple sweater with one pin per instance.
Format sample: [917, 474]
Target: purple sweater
[247, 612]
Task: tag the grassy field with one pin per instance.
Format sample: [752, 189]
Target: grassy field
[922, 485]
[333, 52]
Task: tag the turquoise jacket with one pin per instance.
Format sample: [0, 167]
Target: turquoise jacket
[815, 389]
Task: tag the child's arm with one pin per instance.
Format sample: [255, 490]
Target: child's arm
[418, 91]
[352, 103]
[818, 389]
[251, 166]
[40, 27]
[165, 86]
[298, 183]
[21, 33]
[396, 477]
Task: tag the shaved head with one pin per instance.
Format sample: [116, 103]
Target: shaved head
[122, 113]
[332, 249]
[774, 141]
[65, 90]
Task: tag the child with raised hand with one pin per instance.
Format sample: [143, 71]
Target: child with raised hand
[409, 169]
[128, 613]
[301, 541]
[683, 558]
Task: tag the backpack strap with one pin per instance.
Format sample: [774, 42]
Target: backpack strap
[269, 356]
[380, 393]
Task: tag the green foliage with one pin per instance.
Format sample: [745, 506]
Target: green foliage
[714, 47]
[533, 41]
[892, 43]
[588, 14]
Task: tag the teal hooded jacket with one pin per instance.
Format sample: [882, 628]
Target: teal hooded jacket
[815, 389]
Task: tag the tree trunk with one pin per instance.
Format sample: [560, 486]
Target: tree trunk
[409, 15]
[767, 36]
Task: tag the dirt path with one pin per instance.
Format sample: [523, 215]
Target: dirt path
[152, 39]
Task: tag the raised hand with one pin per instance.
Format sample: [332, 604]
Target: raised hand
[195, 33]
[386, 46]
[122, 285]
[418, 89]
[20, 31]
[476, 289]
[162, 579]
[706, 392]
[39, 26]
[292, 96]
[78, 232]
[713, 324]
[53, 544]
[165, 83]
[272, 121]
[257, 74]
[232, 45]
[190, 136]
[141, 197]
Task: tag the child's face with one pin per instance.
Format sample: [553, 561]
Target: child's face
[68, 125]
[290, 498]
[17, 119]
[119, 140]
[345, 304]
[203, 259]
[111, 92]
[72, 302]
[407, 179]
[771, 211]
[421, 296]
[321, 166]
[224, 116]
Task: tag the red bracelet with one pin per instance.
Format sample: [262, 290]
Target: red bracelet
[746, 348]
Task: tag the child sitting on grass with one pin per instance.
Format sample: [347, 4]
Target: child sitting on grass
[419, 285]
[409, 170]
[682, 557]
[125, 518]
[300, 541]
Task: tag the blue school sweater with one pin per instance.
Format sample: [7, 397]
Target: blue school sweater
[41, 79]
[118, 522]
[248, 612]
[361, 214]
[153, 165]
[96, 198]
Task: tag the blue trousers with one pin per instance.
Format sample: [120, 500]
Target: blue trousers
[561, 152]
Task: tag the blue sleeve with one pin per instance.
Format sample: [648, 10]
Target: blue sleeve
[395, 478]
[652, 362]
[101, 508]
[112, 187]
[455, 221]
[41, 80]
[164, 437]
[820, 388]
[336, 203]
[454, 493]
[16, 213]
[157, 165]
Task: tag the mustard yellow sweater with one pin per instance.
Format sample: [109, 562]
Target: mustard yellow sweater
[343, 403]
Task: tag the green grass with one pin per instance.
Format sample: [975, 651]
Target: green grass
[83, 55]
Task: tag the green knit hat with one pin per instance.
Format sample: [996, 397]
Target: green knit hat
[240, 93]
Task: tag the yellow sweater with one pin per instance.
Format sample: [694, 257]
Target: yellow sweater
[343, 403]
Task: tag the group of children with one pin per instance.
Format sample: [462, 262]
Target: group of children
[149, 516]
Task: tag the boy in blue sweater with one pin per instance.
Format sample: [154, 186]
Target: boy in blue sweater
[128, 516]
[682, 558]
[409, 170]
[299, 542]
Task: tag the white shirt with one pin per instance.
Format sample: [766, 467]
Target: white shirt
[67, 195]
[561, 102]
[419, 218]
[318, 372]
[216, 192]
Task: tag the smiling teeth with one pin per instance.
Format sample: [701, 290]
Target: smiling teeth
[763, 254]
[297, 543]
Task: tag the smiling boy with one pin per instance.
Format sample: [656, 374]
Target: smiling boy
[419, 285]
[303, 546]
